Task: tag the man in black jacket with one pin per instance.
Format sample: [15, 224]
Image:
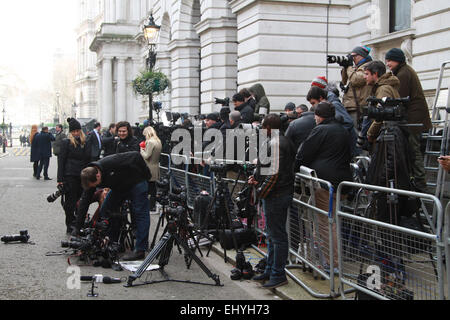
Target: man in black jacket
[247, 113]
[95, 142]
[127, 175]
[108, 144]
[44, 142]
[276, 189]
[126, 142]
[300, 128]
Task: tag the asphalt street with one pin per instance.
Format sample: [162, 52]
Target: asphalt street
[28, 274]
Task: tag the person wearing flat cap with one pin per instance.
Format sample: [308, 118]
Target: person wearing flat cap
[327, 151]
[417, 109]
[357, 91]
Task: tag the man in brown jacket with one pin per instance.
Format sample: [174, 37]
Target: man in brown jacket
[383, 85]
[417, 109]
[356, 89]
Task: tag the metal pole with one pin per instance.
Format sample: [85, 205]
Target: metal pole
[3, 127]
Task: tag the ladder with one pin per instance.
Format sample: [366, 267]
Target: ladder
[438, 135]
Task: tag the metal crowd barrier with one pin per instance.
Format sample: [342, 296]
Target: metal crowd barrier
[386, 261]
[447, 245]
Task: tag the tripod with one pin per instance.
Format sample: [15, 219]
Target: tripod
[163, 249]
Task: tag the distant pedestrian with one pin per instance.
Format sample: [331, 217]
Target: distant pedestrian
[34, 154]
[59, 137]
[94, 142]
[44, 142]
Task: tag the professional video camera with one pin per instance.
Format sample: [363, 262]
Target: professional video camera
[55, 195]
[224, 102]
[386, 109]
[22, 237]
[343, 61]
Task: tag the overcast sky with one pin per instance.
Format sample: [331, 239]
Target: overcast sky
[30, 33]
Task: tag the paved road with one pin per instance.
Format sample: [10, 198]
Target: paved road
[27, 273]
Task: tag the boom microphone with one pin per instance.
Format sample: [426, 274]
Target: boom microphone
[100, 278]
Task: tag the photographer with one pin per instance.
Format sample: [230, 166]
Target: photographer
[356, 90]
[416, 110]
[276, 191]
[73, 157]
[262, 104]
[327, 151]
[126, 141]
[248, 98]
[127, 175]
[151, 153]
[244, 108]
[383, 85]
[300, 129]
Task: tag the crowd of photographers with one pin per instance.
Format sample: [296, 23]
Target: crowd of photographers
[326, 137]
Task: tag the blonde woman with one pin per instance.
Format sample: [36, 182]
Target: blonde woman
[151, 153]
[73, 157]
[34, 154]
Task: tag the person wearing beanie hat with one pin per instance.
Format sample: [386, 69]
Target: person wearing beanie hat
[320, 82]
[416, 109]
[73, 157]
[356, 91]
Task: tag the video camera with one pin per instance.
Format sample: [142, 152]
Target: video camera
[224, 102]
[386, 109]
[55, 195]
[343, 61]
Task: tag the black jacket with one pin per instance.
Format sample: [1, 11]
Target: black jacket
[108, 144]
[93, 145]
[119, 172]
[300, 129]
[247, 112]
[130, 143]
[282, 180]
[44, 142]
[327, 151]
[71, 160]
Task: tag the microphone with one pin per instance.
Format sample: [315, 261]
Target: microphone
[100, 278]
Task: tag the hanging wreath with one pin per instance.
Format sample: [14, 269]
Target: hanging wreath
[151, 82]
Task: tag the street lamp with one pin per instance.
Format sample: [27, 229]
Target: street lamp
[56, 117]
[3, 127]
[151, 32]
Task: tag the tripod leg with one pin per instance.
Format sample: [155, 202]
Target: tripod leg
[205, 269]
[149, 259]
[161, 218]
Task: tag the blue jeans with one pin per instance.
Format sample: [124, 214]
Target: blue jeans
[140, 208]
[275, 212]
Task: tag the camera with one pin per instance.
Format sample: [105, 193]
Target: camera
[22, 237]
[55, 195]
[81, 243]
[386, 109]
[249, 126]
[224, 102]
[343, 61]
[220, 169]
[179, 198]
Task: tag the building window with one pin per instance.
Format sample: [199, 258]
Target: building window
[399, 15]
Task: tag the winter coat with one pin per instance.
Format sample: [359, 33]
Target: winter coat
[59, 137]
[151, 155]
[44, 143]
[262, 105]
[130, 143]
[108, 144]
[93, 145]
[300, 129]
[327, 151]
[246, 112]
[386, 86]
[417, 108]
[343, 117]
[34, 152]
[71, 159]
[354, 77]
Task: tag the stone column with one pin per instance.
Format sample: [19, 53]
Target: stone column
[121, 105]
[107, 91]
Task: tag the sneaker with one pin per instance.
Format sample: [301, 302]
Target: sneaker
[261, 277]
[135, 255]
[272, 284]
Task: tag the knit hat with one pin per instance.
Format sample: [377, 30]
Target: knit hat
[73, 124]
[325, 110]
[320, 82]
[395, 54]
[362, 51]
[290, 106]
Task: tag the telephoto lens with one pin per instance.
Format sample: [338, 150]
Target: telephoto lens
[22, 237]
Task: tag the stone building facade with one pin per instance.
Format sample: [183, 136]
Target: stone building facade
[212, 48]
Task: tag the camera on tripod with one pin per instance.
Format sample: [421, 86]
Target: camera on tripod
[343, 61]
[386, 109]
[55, 195]
[224, 102]
[219, 169]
